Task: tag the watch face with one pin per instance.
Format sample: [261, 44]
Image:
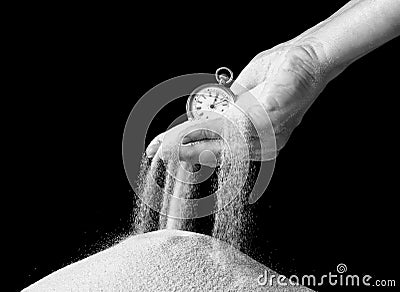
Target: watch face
[209, 101]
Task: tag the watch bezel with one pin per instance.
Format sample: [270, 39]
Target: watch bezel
[227, 90]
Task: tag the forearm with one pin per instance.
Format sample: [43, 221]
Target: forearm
[356, 29]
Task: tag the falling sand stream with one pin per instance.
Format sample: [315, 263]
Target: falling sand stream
[178, 186]
[166, 253]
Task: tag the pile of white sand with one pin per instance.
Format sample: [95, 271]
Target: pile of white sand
[165, 260]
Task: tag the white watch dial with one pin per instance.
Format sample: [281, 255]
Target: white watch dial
[209, 102]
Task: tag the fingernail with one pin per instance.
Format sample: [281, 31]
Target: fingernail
[150, 151]
[185, 140]
[208, 158]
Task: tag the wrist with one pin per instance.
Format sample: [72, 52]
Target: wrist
[322, 56]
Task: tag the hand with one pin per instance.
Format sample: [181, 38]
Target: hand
[285, 81]
[274, 90]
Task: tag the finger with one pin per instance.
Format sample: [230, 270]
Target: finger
[210, 130]
[201, 134]
[259, 110]
[209, 152]
[205, 153]
[161, 138]
[154, 145]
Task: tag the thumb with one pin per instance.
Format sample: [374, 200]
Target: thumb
[210, 130]
[244, 82]
[251, 76]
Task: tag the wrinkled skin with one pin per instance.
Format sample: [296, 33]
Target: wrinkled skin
[274, 90]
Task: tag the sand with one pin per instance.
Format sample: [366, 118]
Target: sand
[172, 259]
[146, 214]
[232, 219]
[165, 260]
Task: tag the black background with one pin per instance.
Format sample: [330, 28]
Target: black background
[332, 198]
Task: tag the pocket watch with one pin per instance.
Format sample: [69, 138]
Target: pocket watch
[212, 99]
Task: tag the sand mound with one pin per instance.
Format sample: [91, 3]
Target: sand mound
[165, 260]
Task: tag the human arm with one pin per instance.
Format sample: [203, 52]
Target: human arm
[284, 81]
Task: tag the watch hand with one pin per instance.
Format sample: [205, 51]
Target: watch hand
[215, 100]
[224, 100]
